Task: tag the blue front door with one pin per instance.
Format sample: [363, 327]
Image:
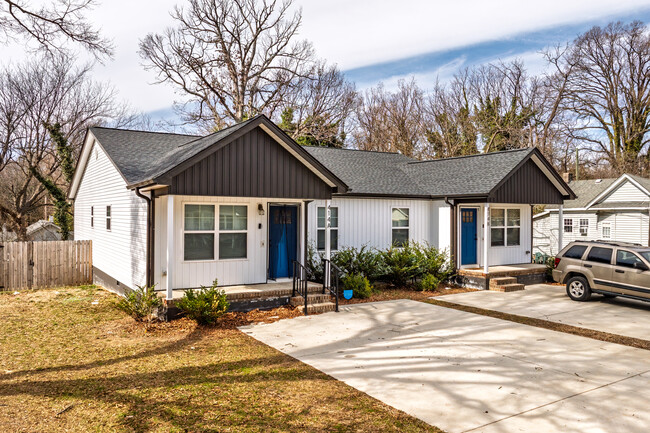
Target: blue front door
[283, 240]
[468, 238]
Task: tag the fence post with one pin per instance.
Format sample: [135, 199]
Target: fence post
[30, 265]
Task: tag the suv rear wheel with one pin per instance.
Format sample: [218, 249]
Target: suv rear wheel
[578, 289]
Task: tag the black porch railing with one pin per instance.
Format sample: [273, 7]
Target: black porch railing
[331, 284]
[300, 282]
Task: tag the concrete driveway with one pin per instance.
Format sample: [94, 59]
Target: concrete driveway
[466, 372]
[617, 316]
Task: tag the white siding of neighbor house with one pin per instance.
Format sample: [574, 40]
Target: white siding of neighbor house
[367, 221]
[627, 191]
[120, 252]
[193, 274]
[626, 226]
[501, 255]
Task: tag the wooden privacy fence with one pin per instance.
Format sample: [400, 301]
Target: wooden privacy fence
[37, 265]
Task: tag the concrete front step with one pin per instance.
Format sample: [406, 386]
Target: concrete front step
[318, 308]
[508, 288]
[315, 298]
[502, 281]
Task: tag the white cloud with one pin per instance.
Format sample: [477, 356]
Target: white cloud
[364, 32]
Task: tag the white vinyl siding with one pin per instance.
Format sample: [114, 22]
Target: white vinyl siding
[627, 191]
[120, 252]
[369, 221]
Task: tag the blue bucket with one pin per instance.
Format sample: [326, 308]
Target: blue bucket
[347, 294]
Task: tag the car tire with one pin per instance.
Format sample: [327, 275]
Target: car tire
[578, 289]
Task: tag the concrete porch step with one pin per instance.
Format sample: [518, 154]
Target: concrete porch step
[318, 308]
[508, 287]
[501, 281]
[312, 298]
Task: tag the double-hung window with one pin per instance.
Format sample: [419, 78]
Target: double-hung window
[92, 216]
[233, 232]
[505, 227]
[108, 218]
[334, 228]
[568, 225]
[201, 231]
[584, 226]
[198, 236]
[400, 225]
[607, 230]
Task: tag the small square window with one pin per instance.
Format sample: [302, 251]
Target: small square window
[584, 226]
[568, 225]
[108, 218]
[92, 216]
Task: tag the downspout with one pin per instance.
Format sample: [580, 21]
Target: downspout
[149, 200]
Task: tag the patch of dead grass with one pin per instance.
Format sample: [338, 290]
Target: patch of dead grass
[69, 365]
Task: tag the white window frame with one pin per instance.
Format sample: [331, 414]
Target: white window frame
[213, 231]
[219, 231]
[582, 226]
[333, 228]
[393, 228]
[607, 226]
[109, 218]
[505, 227]
[565, 225]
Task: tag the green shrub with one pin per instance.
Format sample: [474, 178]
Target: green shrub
[434, 262]
[359, 285]
[204, 305]
[428, 283]
[363, 261]
[140, 303]
[402, 264]
[314, 264]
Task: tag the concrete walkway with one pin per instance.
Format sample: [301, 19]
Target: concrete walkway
[466, 372]
[617, 316]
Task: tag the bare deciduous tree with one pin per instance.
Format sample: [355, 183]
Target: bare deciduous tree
[608, 93]
[45, 91]
[53, 25]
[315, 113]
[231, 59]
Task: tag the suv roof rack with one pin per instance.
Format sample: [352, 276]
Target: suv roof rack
[613, 243]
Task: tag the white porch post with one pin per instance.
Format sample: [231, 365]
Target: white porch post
[170, 246]
[328, 246]
[486, 236]
[560, 228]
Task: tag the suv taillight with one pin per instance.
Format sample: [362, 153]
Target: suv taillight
[557, 262]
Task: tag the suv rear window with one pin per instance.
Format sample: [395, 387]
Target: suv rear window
[600, 255]
[575, 252]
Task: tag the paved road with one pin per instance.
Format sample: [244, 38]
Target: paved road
[618, 316]
[466, 372]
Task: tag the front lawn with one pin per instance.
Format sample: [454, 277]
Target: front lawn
[72, 362]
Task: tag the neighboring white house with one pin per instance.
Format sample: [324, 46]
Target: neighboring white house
[41, 230]
[605, 209]
[242, 204]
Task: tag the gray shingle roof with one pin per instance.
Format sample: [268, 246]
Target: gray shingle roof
[394, 174]
[141, 156]
[622, 204]
[586, 191]
[466, 175]
[372, 173]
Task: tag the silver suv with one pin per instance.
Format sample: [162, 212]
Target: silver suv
[609, 268]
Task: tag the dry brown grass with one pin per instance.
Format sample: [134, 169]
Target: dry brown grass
[71, 366]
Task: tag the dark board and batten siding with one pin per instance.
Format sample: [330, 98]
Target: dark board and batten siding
[527, 185]
[254, 165]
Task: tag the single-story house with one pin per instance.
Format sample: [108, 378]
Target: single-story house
[241, 204]
[615, 209]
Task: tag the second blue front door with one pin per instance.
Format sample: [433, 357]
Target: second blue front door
[468, 236]
[283, 240]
